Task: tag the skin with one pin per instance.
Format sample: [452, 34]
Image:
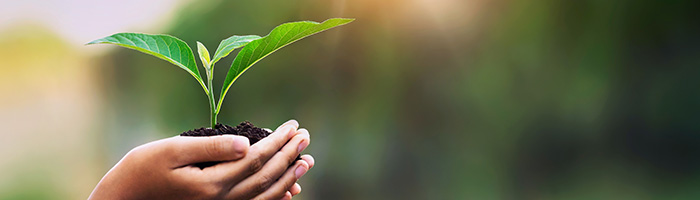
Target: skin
[164, 169]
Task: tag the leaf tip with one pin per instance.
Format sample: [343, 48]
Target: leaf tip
[343, 21]
[93, 42]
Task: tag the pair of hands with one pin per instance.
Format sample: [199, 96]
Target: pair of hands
[164, 169]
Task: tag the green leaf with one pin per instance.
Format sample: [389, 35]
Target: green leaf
[203, 54]
[229, 44]
[279, 37]
[165, 47]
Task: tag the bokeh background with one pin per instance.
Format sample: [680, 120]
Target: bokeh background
[416, 99]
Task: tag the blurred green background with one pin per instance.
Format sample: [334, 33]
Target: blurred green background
[416, 99]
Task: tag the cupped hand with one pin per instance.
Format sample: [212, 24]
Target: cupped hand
[165, 169]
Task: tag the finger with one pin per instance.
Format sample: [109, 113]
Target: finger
[287, 196]
[191, 150]
[257, 156]
[273, 169]
[304, 144]
[290, 122]
[279, 189]
[309, 159]
[273, 142]
[296, 188]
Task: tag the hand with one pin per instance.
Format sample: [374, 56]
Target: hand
[164, 169]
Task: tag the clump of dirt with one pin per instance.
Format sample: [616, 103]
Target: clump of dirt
[247, 129]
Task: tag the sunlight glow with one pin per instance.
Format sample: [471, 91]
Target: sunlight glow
[80, 21]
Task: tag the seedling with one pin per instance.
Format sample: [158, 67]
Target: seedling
[254, 48]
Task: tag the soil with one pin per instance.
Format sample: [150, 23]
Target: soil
[247, 129]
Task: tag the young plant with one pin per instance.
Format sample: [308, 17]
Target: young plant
[254, 49]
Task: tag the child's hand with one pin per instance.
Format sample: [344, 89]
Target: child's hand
[164, 169]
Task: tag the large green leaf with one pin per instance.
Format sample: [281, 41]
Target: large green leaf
[279, 37]
[230, 44]
[165, 47]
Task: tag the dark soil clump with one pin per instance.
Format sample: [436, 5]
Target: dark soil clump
[247, 129]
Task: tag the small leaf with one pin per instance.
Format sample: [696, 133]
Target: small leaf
[229, 44]
[165, 47]
[279, 37]
[203, 54]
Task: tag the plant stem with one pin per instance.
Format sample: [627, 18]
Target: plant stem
[210, 87]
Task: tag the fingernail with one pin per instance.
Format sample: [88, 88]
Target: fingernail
[293, 123]
[241, 144]
[310, 161]
[300, 171]
[291, 132]
[302, 146]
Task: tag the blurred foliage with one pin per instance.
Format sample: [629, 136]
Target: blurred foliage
[48, 114]
[450, 99]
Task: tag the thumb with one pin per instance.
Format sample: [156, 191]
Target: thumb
[208, 149]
